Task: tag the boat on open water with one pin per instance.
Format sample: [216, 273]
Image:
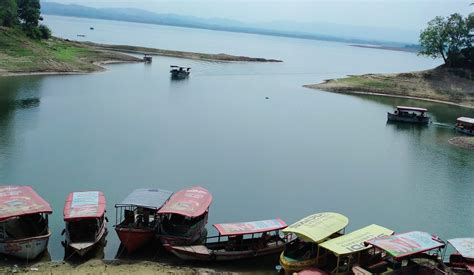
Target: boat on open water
[178, 72]
[465, 125]
[24, 230]
[184, 216]
[236, 241]
[86, 224]
[136, 217]
[409, 114]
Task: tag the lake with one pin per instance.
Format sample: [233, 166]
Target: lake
[298, 152]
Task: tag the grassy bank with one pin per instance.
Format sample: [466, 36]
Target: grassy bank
[453, 86]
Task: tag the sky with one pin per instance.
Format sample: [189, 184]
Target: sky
[405, 15]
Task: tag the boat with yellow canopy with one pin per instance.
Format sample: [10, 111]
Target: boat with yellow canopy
[302, 253]
[346, 251]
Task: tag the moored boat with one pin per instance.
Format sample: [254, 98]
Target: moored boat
[184, 216]
[236, 241]
[24, 231]
[409, 114]
[178, 72]
[86, 224]
[465, 125]
[136, 217]
[302, 252]
[462, 261]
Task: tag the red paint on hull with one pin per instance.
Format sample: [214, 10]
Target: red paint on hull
[134, 238]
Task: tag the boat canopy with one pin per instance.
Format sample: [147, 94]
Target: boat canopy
[190, 202]
[413, 109]
[406, 244]
[82, 205]
[147, 198]
[466, 120]
[465, 247]
[233, 229]
[19, 201]
[318, 227]
[354, 241]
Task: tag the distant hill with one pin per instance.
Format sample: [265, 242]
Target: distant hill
[285, 29]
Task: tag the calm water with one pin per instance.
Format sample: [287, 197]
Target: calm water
[300, 151]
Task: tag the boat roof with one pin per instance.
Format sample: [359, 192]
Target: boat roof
[406, 244]
[174, 66]
[19, 201]
[189, 202]
[233, 229]
[354, 241]
[416, 109]
[465, 247]
[467, 120]
[81, 205]
[152, 198]
[318, 227]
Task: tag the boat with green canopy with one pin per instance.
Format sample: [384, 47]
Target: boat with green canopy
[301, 252]
[346, 251]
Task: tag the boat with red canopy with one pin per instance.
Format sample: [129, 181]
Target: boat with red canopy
[24, 231]
[409, 114]
[86, 224]
[462, 261]
[136, 216]
[184, 216]
[236, 241]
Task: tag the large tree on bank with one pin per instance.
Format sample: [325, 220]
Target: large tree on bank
[8, 13]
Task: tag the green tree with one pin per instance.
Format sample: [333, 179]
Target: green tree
[446, 37]
[8, 13]
[29, 12]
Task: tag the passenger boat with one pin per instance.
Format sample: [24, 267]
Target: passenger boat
[147, 58]
[236, 241]
[462, 261]
[344, 252]
[184, 216]
[409, 114]
[301, 252]
[465, 125]
[24, 231]
[86, 224]
[178, 72]
[136, 217]
[413, 252]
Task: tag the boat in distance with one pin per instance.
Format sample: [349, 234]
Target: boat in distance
[86, 224]
[409, 114]
[236, 241]
[184, 216]
[465, 125]
[178, 72]
[136, 217]
[24, 230]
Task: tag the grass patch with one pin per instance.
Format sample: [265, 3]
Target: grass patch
[360, 81]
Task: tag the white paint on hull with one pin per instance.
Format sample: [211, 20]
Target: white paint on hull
[28, 248]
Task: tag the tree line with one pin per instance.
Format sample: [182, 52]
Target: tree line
[24, 14]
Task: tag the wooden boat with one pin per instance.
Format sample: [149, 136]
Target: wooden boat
[178, 72]
[184, 216]
[136, 219]
[341, 254]
[86, 224]
[236, 241]
[413, 252]
[409, 114]
[24, 231]
[301, 253]
[462, 261]
[465, 125]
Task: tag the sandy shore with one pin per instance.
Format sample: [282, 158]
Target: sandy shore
[463, 142]
[440, 85]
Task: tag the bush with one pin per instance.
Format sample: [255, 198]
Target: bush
[45, 32]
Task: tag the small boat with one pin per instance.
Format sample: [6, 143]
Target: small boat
[136, 217]
[91, 28]
[184, 216]
[178, 72]
[81, 35]
[409, 114]
[462, 261]
[413, 252]
[302, 252]
[465, 125]
[147, 58]
[24, 231]
[86, 224]
[236, 241]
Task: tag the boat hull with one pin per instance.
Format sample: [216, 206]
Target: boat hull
[465, 131]
[179, 75]
[134, 238]
[416, 120]
[82, 248]
[27, 248]
[294, 265]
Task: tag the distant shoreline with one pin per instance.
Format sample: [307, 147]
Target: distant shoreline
[387, 48]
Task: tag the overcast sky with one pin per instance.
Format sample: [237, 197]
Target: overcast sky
[401, 14]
